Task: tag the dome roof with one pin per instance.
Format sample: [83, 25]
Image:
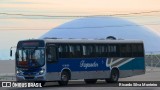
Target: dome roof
[102, 27]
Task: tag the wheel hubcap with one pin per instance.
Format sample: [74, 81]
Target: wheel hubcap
[64, 78]
[114, 76]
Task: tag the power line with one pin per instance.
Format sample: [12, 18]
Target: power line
[76, 16]
[108, 26]
[16, 28]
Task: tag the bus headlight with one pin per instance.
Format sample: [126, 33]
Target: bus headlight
[41, 72]
[19, 72]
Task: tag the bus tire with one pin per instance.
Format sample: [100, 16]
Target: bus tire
[64, 78]
[113, 77]
[90, 81]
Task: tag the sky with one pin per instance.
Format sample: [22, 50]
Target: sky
[17, 27]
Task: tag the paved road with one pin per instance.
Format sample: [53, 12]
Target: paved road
[88, 88]
[100, 85]
[80, 85]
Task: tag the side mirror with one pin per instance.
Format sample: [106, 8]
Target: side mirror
[10, 53]
[11, 50]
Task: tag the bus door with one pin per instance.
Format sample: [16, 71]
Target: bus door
[51, 53]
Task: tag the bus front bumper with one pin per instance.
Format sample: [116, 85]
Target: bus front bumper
[33, 78]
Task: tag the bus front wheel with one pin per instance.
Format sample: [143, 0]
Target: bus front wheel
[90, 81]
[64, 78]
[113, 77]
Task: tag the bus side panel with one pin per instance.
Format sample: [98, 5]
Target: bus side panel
[53, 76]
[89, 68]
[139, 66]
[134, 67]
[81, 68]
[90, 75]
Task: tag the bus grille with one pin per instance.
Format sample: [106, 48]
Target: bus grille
[29, 77]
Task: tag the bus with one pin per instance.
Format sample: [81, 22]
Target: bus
[61, 60]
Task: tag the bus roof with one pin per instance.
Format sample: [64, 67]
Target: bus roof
[88, 41]
[85, 41]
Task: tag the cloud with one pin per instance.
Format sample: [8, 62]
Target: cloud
[15, 2]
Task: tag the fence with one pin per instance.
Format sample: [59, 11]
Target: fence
[152, 61]
[7, 77]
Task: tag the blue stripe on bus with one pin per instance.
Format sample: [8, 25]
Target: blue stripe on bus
[92, 64]
[81, 64]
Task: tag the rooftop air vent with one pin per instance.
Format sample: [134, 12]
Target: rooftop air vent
[111, 37]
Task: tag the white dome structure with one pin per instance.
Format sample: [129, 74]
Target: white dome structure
[102, 27]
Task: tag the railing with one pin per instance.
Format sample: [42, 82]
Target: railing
[7, 77]
[152, 61]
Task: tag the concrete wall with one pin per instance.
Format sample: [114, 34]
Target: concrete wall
[7, 66]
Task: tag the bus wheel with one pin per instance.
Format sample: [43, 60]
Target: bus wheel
[90, 81]
[64, 78]
[114, 76]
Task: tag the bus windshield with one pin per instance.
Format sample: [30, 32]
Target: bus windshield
[30, 57]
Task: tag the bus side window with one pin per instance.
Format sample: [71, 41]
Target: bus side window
[134, 50]
[63, 50]
[51, 54]
[112, 50]
[140, 50]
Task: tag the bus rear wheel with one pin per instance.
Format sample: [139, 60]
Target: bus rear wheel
[113, 77]
[90, 81]
[64, 78]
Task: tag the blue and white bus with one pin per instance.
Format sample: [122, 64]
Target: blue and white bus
[62, 60]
